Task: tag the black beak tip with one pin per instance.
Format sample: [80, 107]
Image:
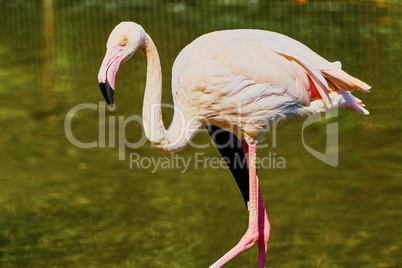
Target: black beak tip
[107, 92]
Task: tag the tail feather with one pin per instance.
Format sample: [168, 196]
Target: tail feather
[343, 81]
[348, 100]
[339, 99]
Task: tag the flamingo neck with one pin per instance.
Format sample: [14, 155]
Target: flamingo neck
[181, 130]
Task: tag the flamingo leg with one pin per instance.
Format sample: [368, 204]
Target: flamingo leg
[264, 226]
[252, 234]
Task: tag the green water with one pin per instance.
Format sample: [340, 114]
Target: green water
[64, 206]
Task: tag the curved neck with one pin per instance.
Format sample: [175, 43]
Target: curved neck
[182, 129]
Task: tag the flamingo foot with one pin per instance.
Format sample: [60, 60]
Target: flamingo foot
[256, 232]
[247, 241]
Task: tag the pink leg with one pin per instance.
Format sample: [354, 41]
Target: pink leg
[264, 226]
[256, 231]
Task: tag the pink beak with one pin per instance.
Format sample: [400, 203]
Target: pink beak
[108, 71]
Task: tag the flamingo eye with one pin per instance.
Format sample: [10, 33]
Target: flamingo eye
[123, 42]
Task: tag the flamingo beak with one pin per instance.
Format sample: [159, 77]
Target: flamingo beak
[108, 71]
[107, 92]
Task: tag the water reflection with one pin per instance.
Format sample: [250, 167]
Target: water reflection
[62, 205]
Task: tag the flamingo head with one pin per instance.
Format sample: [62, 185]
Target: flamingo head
[123, 41]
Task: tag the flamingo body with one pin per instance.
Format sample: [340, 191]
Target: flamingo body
[238, 81]
[266, 74]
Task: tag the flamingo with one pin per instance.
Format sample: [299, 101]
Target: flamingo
[234, 82]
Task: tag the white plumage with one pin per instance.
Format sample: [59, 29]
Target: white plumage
[237, 80]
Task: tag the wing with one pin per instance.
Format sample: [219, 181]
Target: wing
[262, 57]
